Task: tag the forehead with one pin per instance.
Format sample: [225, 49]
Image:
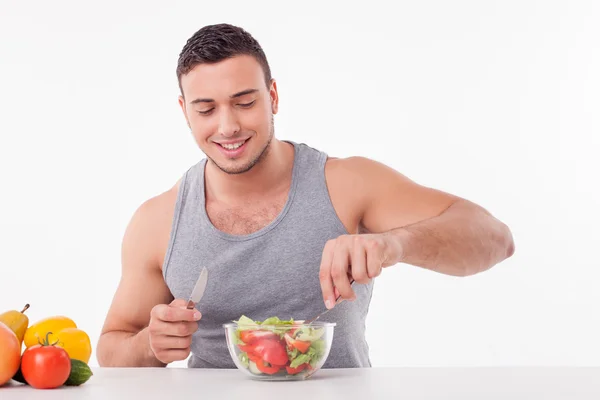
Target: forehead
[220, 80]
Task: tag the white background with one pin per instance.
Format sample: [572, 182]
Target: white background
[495, 101]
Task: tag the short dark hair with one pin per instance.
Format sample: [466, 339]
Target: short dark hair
[214, 43]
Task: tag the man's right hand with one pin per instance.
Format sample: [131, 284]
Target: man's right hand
[170, 330]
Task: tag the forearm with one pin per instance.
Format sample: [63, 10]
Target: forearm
[126, 349]
[463, 240]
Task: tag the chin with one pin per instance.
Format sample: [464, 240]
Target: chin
[235, 168]
[244, 163]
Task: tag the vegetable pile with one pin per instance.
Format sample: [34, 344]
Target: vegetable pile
[56, 351]
[274, 346]
[47, 366]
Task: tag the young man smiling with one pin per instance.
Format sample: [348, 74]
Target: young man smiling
[282, 228]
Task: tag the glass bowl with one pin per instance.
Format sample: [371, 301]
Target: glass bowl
[278, 350]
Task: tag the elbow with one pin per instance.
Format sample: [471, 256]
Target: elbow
[503, 246]
[500, 248]
[508, 243]
[102, 353]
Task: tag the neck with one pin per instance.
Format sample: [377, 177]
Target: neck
[270, 174]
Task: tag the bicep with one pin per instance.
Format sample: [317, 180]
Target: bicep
[394, 200]
[141, 284]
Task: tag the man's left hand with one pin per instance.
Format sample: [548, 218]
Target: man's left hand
[358, 257]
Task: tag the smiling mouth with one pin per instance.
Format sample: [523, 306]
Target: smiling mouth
[233, 146]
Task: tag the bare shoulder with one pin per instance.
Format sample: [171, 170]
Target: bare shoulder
[356, 175]
[347, 182]
[147, 234]
[364, 170]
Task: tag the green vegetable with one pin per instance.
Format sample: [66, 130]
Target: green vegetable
[316, 352]
[244, 359]
[254, 369]
[309, 334]
[276, 321]
[293, 353]
[245, 323]
[80, 373]
[301, 359]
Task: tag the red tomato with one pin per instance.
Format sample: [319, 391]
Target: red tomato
[245, 348]
[271, 351]
[45, 366]
[249, 350]
[299, 344]
[250, 337]
[254, 357]
[293, 371]
[267, 370]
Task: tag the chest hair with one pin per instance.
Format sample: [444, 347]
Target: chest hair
[247, 218]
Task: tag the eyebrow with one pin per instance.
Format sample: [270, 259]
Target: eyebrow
[233, 96]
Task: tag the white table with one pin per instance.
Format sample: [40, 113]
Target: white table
[545, 383]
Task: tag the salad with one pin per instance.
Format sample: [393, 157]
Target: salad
[274, 346]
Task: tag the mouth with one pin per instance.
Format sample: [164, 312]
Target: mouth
[233, 149]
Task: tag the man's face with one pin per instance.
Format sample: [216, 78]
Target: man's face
[230, 111]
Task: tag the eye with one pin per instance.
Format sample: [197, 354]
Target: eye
[247, 105]
[204, 112]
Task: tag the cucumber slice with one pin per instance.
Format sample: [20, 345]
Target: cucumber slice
[253, 368]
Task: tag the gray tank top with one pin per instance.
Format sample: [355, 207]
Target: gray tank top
[271, 272]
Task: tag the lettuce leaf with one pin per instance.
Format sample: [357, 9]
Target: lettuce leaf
[245, 323]
[301, 359]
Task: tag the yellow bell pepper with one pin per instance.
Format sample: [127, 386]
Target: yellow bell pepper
[64, 333]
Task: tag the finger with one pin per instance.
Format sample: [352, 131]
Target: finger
[359, 261]
[374, 259]
[179, 303]
[338, 297]
[175, 314]
[168, 356]
[158, 327]
[325, 274]
[179, 328]
[172, 342]
[339, 271]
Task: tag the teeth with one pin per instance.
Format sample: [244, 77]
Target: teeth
[233, 146]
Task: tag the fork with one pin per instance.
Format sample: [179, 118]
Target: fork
[337, 301]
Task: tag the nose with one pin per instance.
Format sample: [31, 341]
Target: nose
[228, 124]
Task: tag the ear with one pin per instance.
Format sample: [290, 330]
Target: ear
[274, 97]
[182, 105]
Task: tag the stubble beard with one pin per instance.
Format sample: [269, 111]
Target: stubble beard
[261, 156]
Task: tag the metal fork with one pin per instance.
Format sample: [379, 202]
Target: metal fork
[337, 301]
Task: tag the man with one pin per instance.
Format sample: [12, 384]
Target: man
[282, 228]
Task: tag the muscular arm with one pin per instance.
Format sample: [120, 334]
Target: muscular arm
[427, 227]
[124, 340]
[463, 240]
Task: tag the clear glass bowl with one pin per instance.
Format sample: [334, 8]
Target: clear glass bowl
[279, 352]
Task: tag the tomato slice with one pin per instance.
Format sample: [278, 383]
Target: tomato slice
[271, 351]
[249, 350]
[250, 336]
[273, 369]
[254, 357]
[245, 348]
[298, 344]
[299, 368]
